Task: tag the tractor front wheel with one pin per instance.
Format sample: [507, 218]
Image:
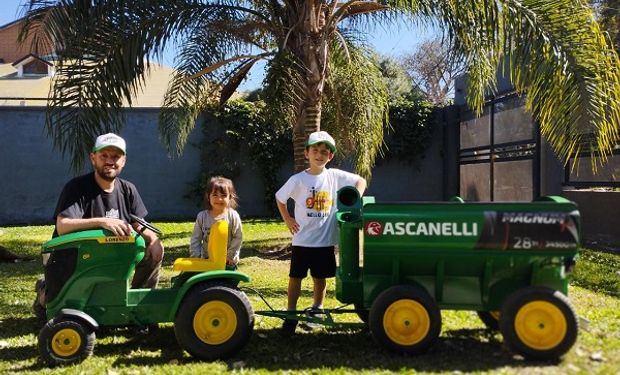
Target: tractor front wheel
[214, 321]
[65, 341]
[405, 319]
[538, 323]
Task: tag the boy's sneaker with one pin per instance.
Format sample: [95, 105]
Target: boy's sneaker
[288, 327]
[143, 330]
[313, 312]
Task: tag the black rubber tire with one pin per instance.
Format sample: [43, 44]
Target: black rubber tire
[219, 303]
[490, 320]
[400, 304]
[362, 313]
[74, 337]
[542, 320]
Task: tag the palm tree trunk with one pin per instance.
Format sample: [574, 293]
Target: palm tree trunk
[310, 44]
[308, 122]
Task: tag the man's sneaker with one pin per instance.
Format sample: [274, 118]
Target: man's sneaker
[313, 312]
[38, 306]
[288, 327]
[39, 311]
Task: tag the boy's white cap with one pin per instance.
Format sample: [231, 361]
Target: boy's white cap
[321, 137]
[110, 139]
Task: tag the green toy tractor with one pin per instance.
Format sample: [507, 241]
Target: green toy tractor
[87, 288]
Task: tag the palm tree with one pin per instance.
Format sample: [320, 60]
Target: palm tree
[554, 51]
[608, 12]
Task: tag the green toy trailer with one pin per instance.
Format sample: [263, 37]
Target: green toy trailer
[401, 263]
[87, 288]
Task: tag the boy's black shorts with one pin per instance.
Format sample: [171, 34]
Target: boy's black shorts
[321, 261]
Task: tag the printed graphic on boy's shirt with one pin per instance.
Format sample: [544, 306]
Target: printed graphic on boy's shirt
[320, 202]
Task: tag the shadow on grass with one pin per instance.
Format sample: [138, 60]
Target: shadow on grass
[22, 353]
[352, 349]
[24, 247]
[461, 350]
[16, 327]
[356, 350]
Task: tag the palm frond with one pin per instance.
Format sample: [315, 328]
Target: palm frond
[36, 22]
[284, 89]
[105, 48]
[183, 102]
[229, 89]
[570, 73]
[221, 63]
[554, 52]
[355, 7]
[355, 105]
[203, 68]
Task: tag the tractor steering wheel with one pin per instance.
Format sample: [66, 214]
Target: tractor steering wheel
[145, 224]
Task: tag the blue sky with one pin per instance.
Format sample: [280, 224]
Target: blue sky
[394, 42]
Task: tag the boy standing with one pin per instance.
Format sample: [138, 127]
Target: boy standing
[314, 225]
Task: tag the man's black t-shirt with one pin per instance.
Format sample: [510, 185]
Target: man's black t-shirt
[82, 198]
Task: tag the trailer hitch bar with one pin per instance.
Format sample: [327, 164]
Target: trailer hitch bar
[323, 317]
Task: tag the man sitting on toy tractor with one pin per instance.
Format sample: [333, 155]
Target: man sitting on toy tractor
[100, 200]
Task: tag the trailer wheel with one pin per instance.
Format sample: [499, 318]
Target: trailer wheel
[539, 323]
[214, 322]
[64, 341]
[405, 319]
[490, 319]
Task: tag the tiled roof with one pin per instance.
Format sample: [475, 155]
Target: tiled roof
[30, 57]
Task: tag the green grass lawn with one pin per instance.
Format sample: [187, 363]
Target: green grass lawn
[463, 347]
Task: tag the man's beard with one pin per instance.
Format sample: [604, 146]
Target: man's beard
[109, 176]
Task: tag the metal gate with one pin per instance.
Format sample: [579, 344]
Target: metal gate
[499, 152]
[582, 176]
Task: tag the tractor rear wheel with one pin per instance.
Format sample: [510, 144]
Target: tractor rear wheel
[405, 319]
[214, 321]
[539, 323]
[64, 341]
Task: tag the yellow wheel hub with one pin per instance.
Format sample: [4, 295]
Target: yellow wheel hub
[540, 325]
[215, 322]
[66, 342]
[406, 322]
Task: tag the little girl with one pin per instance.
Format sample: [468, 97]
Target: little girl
[220, 202]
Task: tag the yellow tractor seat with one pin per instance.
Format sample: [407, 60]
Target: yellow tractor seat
[216, 248]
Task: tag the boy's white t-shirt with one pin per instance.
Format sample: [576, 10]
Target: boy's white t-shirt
[315, 204]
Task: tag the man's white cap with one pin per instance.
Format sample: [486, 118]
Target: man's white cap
[321, 137]
[110, 139]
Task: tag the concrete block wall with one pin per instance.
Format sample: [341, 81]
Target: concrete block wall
[34, 173]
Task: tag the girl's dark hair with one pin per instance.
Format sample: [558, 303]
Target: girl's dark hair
[221, 185]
